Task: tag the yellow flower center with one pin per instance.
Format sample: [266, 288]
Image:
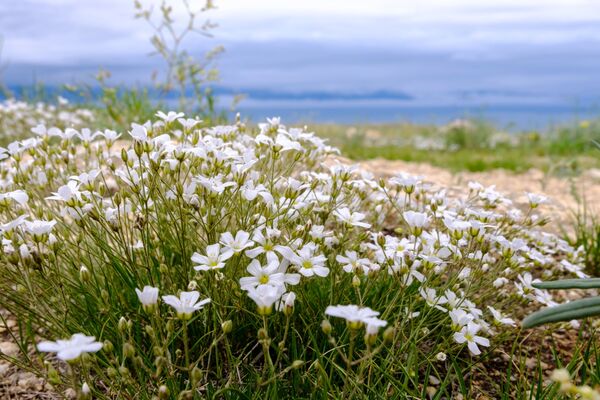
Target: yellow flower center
[264, 279]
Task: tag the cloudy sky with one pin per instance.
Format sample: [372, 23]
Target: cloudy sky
[436, 51]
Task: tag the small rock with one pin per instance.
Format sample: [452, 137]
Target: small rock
[27, 380]
[532, 363]
[9, 348]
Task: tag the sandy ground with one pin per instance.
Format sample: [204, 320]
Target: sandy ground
[563, 192]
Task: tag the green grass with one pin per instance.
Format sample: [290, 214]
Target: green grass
[563, 151]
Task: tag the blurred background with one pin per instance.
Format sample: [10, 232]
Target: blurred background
[520, 64]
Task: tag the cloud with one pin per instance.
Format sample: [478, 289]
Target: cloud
[431, 49]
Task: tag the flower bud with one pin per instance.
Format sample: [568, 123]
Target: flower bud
[128, 350]
[355, 281]
[380, 239]
[149, 330]
[297, 364]
[124, 155]
[186, 395]
[263, 334]
[138, 147]
[86, 392]
[560, 375]
[388, 335]
[163, 392]
[326, 327]
[108, 347]
[170, 327]
[193, 285]
[196, 375]
[370, 338]
[227, 326]
[160, 363]
[84, 274]
[124, 371]
[111, 372]
[122, 325]
[53, 376]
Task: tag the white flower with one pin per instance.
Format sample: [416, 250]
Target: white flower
[351, 263]
[536, 199]
[265, 296]
[267, 275]
[139, 132]
[186, 303]
[170, 116]
[305, 260]
[460, 318]
[416, 219]
[235, 245]
[18, 195]
[499, 318]
[214, 258]
[499, 282]
[148, 296]
[351, 218]
[468, 334]
[71, 349]
[354, 315]
[264, 242]
[432, 298]
[286, 304]
[373, 325]
[188, 123]
[39, 227]
[86, 135]
[67, 192]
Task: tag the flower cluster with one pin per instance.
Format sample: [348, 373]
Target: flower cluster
[19, 118]
[256, 221]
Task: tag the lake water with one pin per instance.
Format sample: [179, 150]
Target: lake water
[511, 118]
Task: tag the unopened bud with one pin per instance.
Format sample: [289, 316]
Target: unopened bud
[263, 334]
[128, 350]
[326, 327]
[163, 392]
[108, 347]
[186, 395]
[86, 392]
[149, 330]
[388, 335]
[84, 274]
[111, 372]
[53, 376]
[122, 325]
[227, 326]
[193, 285]
[196, 376]
[124, 371]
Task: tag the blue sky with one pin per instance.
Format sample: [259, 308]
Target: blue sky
[439, 52]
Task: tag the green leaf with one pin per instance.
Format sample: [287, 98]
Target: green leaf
[587, 283]
[577, 309]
